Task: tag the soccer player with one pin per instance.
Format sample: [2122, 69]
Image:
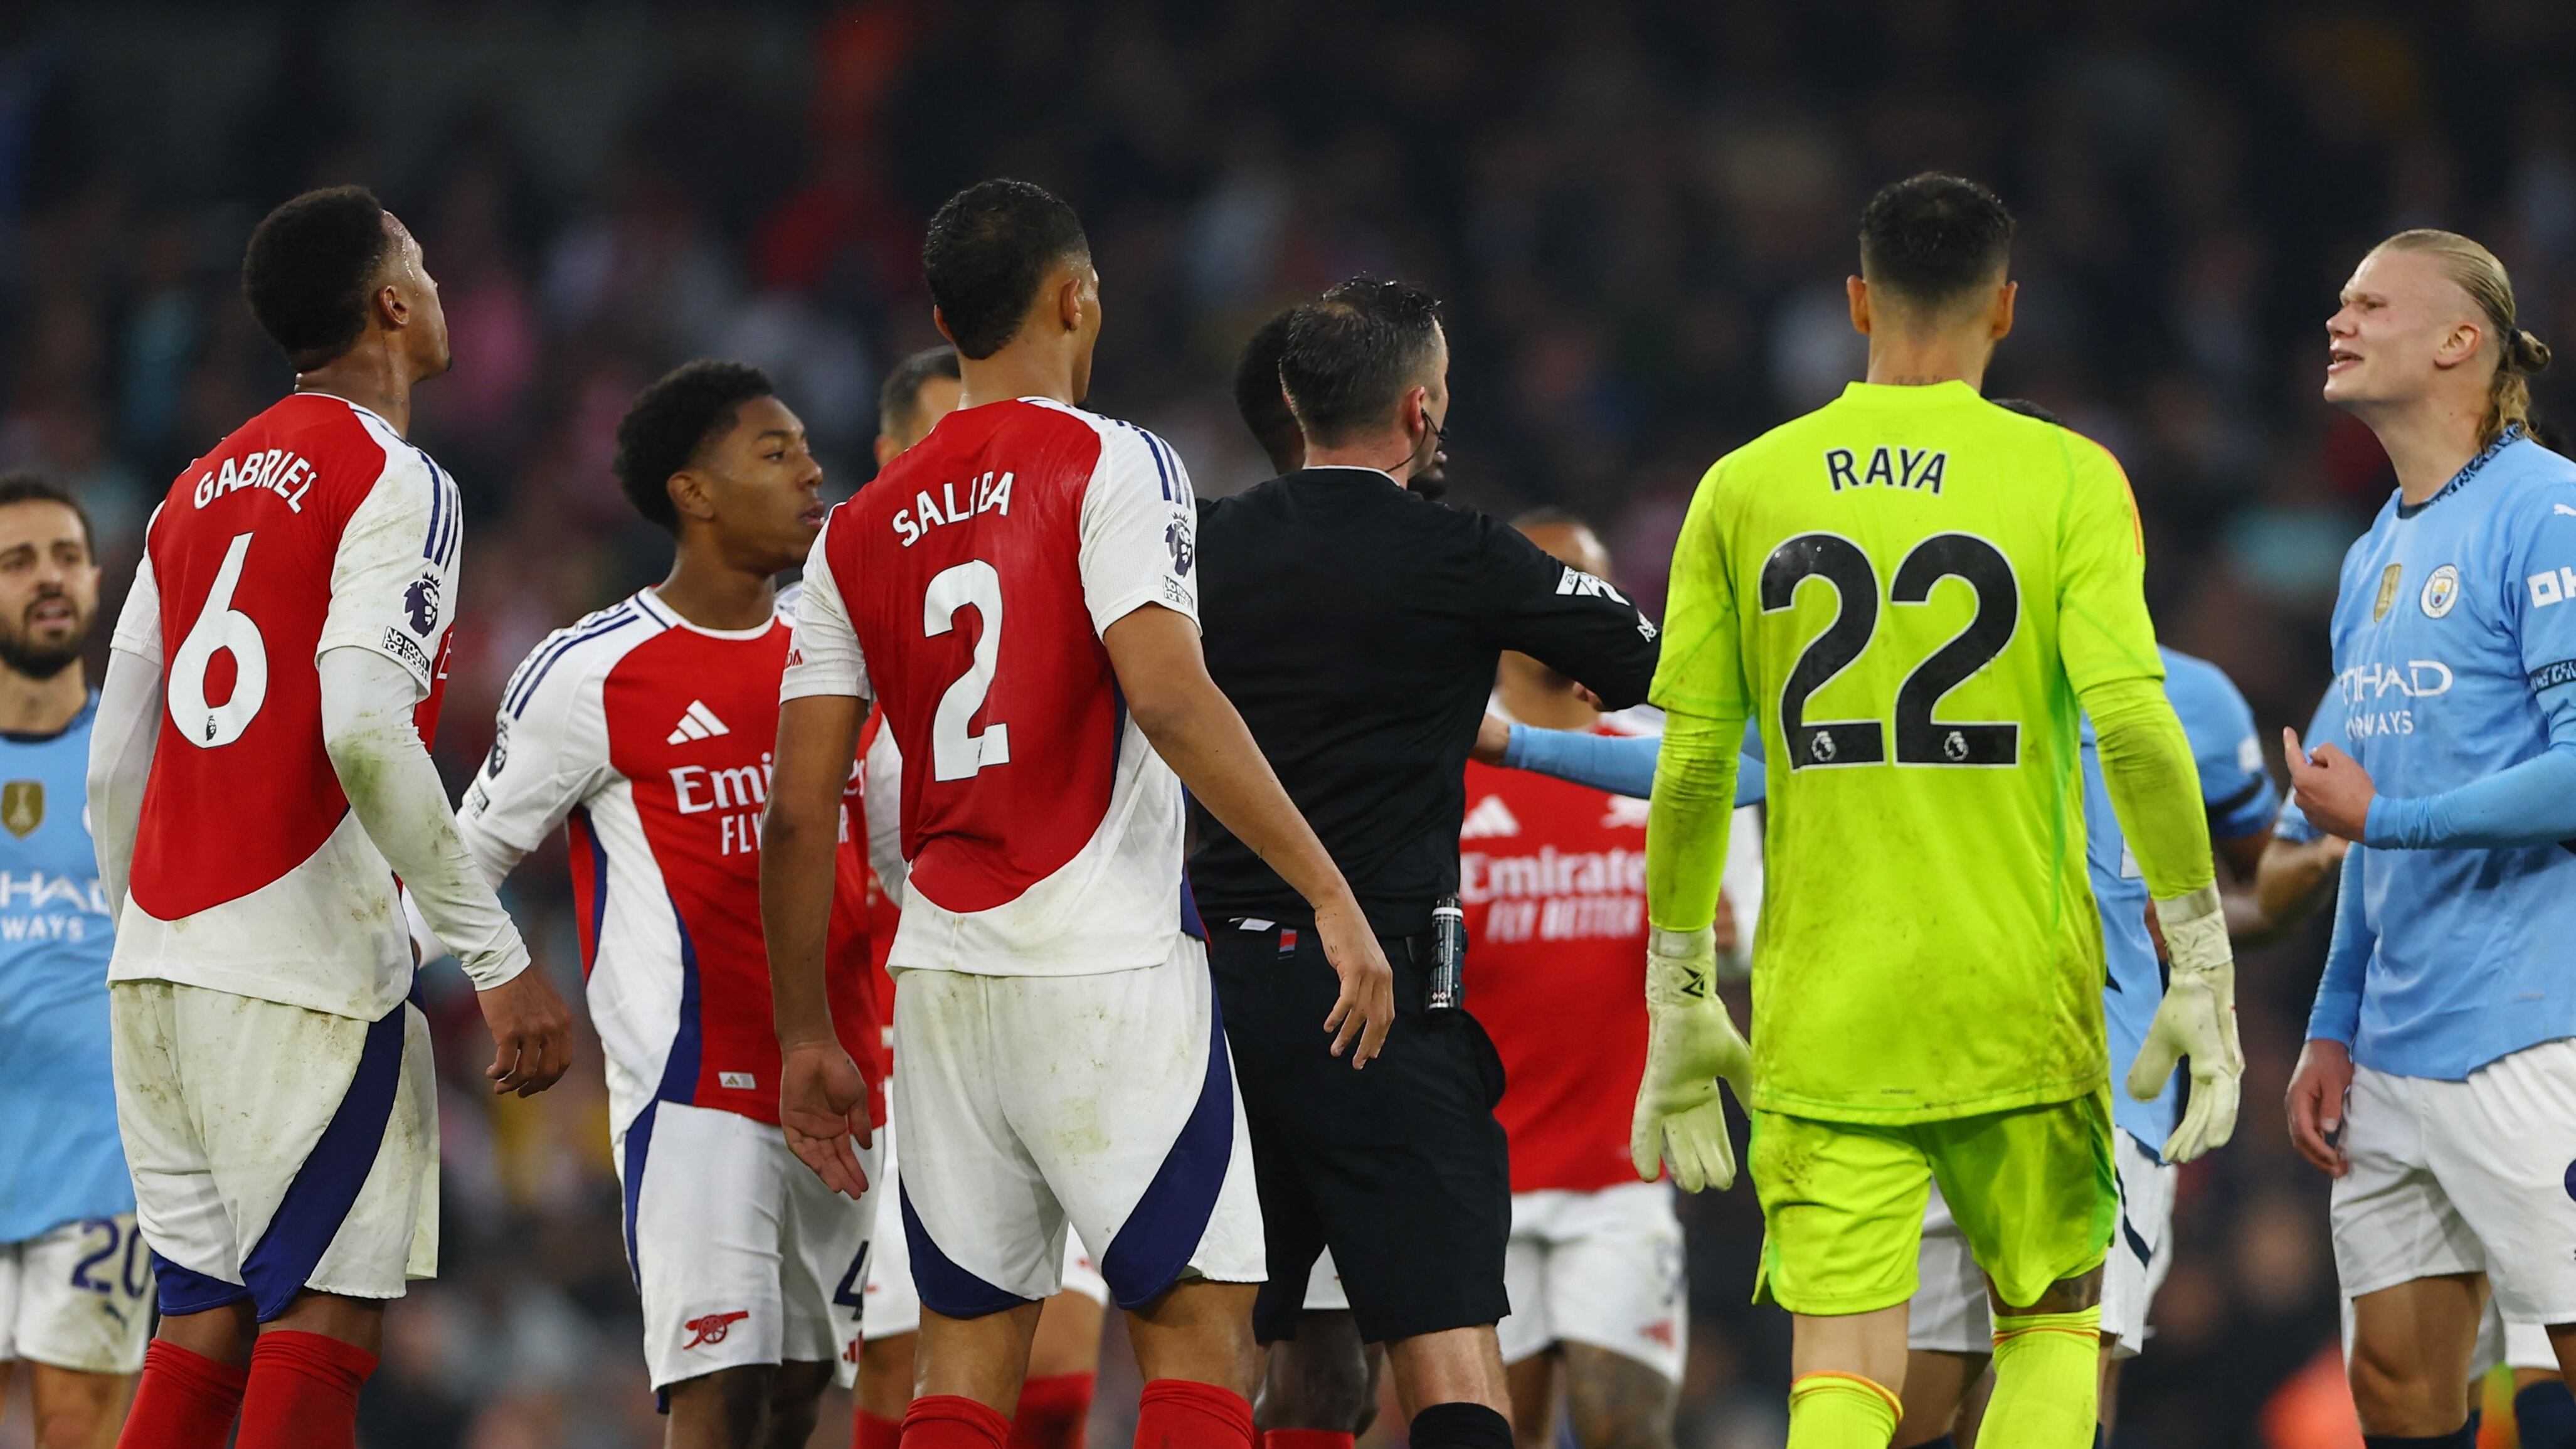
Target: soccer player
[1918, 591]
[1017, 591]
[2438, 1085]
[259, 775]
[1552, 876]
[73, 1273]
[1064, 1357]
[647, 726]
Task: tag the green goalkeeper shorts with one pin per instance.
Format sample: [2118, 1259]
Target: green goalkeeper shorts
[1842, 1202]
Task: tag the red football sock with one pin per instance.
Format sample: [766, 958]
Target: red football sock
[303, 1392]
[1180, 1414]
[1307, 1439]
[871, 1432]
[953, 1421]
[1053, 1412]
[186, 1401]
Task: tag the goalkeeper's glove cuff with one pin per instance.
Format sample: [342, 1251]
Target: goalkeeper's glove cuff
[2195, 931]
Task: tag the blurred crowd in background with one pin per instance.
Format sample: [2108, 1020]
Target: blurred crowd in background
[1640, 216]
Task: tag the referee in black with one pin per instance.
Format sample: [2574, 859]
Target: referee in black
[1356, 627]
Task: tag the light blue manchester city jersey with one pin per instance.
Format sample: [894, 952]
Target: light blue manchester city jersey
[2455, 658]
[60, 1160]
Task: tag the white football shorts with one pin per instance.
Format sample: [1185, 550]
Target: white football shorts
[273, 1148]
[1103, 1102]
[78, 1297]
[2464, 1177]
[1598, 1268]
[1949, 1313]
[740, 1253]
[2511, 1345]
[894, 1306]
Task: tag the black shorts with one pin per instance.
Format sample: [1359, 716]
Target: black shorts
[1400, 1168]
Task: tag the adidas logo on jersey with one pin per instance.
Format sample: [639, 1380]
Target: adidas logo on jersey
[698, 723]
[1489, 819]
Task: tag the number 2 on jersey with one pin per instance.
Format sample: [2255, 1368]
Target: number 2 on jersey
[954, 753]
[220, 629]
[1920, 739]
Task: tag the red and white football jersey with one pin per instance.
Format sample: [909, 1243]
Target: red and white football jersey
[315, 526]
[1553, 879]
[650, 738]
[966, 590]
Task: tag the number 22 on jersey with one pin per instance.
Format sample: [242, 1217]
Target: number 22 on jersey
[1920, 739]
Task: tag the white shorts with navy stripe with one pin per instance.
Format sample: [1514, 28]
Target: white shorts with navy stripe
[1105, 1103]
[893, 1304]
[273, 1148]
[741, 1255]
[1949, 1311]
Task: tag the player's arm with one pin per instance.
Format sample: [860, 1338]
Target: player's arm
[822, 1096]
[2300, 862]
[127, 730]
[375, 658]
[1619, 764]
[2324, 1073]
[2109, 647]
[2529, 803]
[1577, 625]
[2236, 791]
[882, 802]
[1680, 1120]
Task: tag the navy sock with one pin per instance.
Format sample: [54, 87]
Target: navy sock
[2545, 1414]
[1944, 1442]
[1460, 1426]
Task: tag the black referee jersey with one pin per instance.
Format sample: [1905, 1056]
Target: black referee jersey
[1356, 627]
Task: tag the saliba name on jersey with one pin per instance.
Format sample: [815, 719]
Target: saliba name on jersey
[282, 472]
[990, 493]
[1916, 468]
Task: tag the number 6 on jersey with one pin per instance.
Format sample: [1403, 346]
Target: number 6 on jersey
[221, 629]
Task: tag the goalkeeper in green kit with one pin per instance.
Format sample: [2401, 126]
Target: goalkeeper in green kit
[1916, 594]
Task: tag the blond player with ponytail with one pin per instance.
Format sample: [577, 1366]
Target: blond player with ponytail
[2438, 1086]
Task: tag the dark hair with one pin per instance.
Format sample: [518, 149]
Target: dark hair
[309, 268]
[1933, 238]
[987, 249]
[24, 487]
[1352, 355]
[670, 421]
[899, 399]
[1258, 398]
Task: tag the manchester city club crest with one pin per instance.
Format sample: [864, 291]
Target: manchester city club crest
[2441, 591]
[22, 806]
[2387, 591]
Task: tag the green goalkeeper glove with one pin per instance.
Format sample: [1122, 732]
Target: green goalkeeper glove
[1690, 1043]
[2196, 1020]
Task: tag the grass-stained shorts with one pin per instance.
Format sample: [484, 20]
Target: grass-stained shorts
[1842, 1202]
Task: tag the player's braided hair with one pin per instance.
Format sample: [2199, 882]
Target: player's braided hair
[2518, 354]
[309, 268]
[670, 421]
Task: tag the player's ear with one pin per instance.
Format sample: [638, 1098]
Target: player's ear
[1069, 299]
[2458, 345]
[940, 321]
[1858, 292]
[2000, 316]
[692, 494]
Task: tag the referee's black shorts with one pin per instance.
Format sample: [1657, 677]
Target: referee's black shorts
[1399, 1168]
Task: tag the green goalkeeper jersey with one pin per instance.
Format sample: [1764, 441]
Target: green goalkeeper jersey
[1906, 589]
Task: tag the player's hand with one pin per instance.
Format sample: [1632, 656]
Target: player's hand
[1366, 1007]
[1493, 739]
[531, 1033]
[2197, 1019]
[2317, 1098]
[822, 1104]
[2331, 787]
[1680, 1119]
